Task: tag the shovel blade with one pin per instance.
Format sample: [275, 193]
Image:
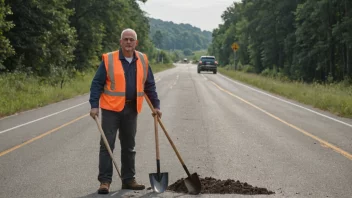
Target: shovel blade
[159, 182]
[193, 184]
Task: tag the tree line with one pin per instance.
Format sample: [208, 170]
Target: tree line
[59, 37]
[171, 36]
[307, 40]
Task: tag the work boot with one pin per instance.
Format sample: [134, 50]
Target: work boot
[133, 185]
[104, 188]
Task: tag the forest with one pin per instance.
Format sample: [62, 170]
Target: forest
[61, 37]
[304, 40]
[171, 36]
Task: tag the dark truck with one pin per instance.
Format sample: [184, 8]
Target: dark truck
[207, 63]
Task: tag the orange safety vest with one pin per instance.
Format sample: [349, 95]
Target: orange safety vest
[114, 96]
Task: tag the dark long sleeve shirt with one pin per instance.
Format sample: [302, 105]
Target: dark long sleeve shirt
[98, 82]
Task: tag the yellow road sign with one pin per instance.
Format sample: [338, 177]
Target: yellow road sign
[235, 46]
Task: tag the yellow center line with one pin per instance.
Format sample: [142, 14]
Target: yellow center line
[40, 136]
[322, 142]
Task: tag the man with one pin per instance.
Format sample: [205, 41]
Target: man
[119, 86]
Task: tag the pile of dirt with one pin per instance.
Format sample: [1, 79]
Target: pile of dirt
[216, 186]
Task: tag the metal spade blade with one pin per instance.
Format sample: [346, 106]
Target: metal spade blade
[193, 184]
[159, 182]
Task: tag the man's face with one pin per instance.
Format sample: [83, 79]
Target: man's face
[128, 41]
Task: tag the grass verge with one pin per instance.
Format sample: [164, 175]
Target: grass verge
[335, 98]
[20, 92]
[160, 67]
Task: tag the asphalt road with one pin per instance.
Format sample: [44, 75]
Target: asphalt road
[222, 128]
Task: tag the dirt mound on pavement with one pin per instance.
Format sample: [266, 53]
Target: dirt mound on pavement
[216, 186]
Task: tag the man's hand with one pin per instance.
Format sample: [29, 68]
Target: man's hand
[94, 112]
[157, 112]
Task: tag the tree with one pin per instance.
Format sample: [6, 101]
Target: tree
[158, 39]
[6, 49]
[178, 36]
[42, 37]
[55, 38]
[187, 52]
[304, 40]
[99, 24]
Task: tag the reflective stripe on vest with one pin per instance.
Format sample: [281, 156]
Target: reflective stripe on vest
[111, 70]
[145, 71]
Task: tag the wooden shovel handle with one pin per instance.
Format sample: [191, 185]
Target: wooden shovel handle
[167, 135]
[107, 145]
[156, 137]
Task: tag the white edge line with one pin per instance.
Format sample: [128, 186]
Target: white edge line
[336, 120]
[21, 125]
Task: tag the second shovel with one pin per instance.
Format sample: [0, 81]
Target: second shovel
[158, 181]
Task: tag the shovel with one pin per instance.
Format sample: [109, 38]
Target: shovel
[158, 181]
[192, 182]
[107, 145]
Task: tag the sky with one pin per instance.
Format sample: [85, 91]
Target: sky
[204, 14]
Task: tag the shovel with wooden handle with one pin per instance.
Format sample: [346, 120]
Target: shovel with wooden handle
[158, 181]
[192, 182]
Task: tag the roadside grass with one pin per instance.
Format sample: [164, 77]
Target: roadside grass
[335, 98]
[200, 53]
[19, 92]
[160, 67]
[196, 54]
